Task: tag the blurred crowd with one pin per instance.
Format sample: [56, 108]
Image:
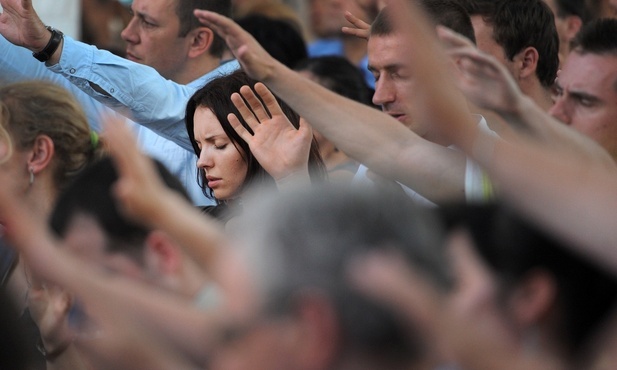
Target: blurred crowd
[319, 184]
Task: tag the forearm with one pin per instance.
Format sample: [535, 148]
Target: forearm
[572, 197]
[134, 90]
[200, 236]
[373, 138]
[557, 135]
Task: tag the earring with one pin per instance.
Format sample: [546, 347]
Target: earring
[31, 176]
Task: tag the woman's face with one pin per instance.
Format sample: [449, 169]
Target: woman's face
[224, 166]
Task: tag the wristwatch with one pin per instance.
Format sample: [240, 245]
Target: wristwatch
[51, 47]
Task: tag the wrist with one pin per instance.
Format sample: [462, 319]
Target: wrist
[45, 52]
[300, 176]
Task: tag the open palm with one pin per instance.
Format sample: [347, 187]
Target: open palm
[280, 148]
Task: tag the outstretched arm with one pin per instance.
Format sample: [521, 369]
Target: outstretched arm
[365, 134]
[138, 185]
[134, 90]
[479, 73]
[114, 300]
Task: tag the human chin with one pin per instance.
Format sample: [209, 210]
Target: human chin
[223, 193]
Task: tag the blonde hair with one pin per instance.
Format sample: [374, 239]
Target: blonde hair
[33, 108]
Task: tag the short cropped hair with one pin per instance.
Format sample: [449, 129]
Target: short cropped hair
[514, 247]
[448, 13]
[188, 21]
[278, 37]
[91, 194]
[577, 8]
[597, 37]
[339, 75]
[518, 24]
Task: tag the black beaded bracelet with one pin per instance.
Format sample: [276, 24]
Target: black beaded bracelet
[51, 47]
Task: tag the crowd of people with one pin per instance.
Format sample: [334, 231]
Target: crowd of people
[426, 184]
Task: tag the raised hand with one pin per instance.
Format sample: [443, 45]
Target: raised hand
[360, 28]
[20, 25]
[255, 61]
[485, 81]
[281, 149]
[138, 184]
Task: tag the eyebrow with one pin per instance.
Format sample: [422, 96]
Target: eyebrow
[145, 17]
[214, 137]
[583, 95]
[387, 68]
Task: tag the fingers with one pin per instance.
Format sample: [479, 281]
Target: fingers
[357, 22]
[361, 29]
[387, 278]
[247, 115]
[268, 98]
[239, 128]
[257, 107]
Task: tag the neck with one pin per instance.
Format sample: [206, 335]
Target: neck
[538, 93]
[195, 68]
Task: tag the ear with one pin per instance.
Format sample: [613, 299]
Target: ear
[527, 62]
[201, 40]
[534, 298]
[573, 25]
[319, 332]
[41, 154]
[162, 254]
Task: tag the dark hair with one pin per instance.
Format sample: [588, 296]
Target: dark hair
[513, 247]
[448, 13]
[577, 8]
[310, 238]
[597, 37]
[216, 95]
[339, 75]
[518, 24]
[92, 194]
[188, 21]
[278, 37]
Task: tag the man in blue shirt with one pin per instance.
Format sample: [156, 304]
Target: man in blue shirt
[164, 35]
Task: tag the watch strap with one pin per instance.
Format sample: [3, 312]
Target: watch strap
[51, 47]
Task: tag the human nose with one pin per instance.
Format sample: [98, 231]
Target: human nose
[129, 33]
[560, 110]
[205, 160]
[384, 93]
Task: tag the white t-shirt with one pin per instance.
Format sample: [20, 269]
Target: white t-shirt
[478, 187]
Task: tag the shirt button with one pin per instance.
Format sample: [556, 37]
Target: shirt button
[72, 70]
[112, 90]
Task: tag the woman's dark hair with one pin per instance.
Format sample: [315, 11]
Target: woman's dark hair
[339, 75]
[216, 95]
